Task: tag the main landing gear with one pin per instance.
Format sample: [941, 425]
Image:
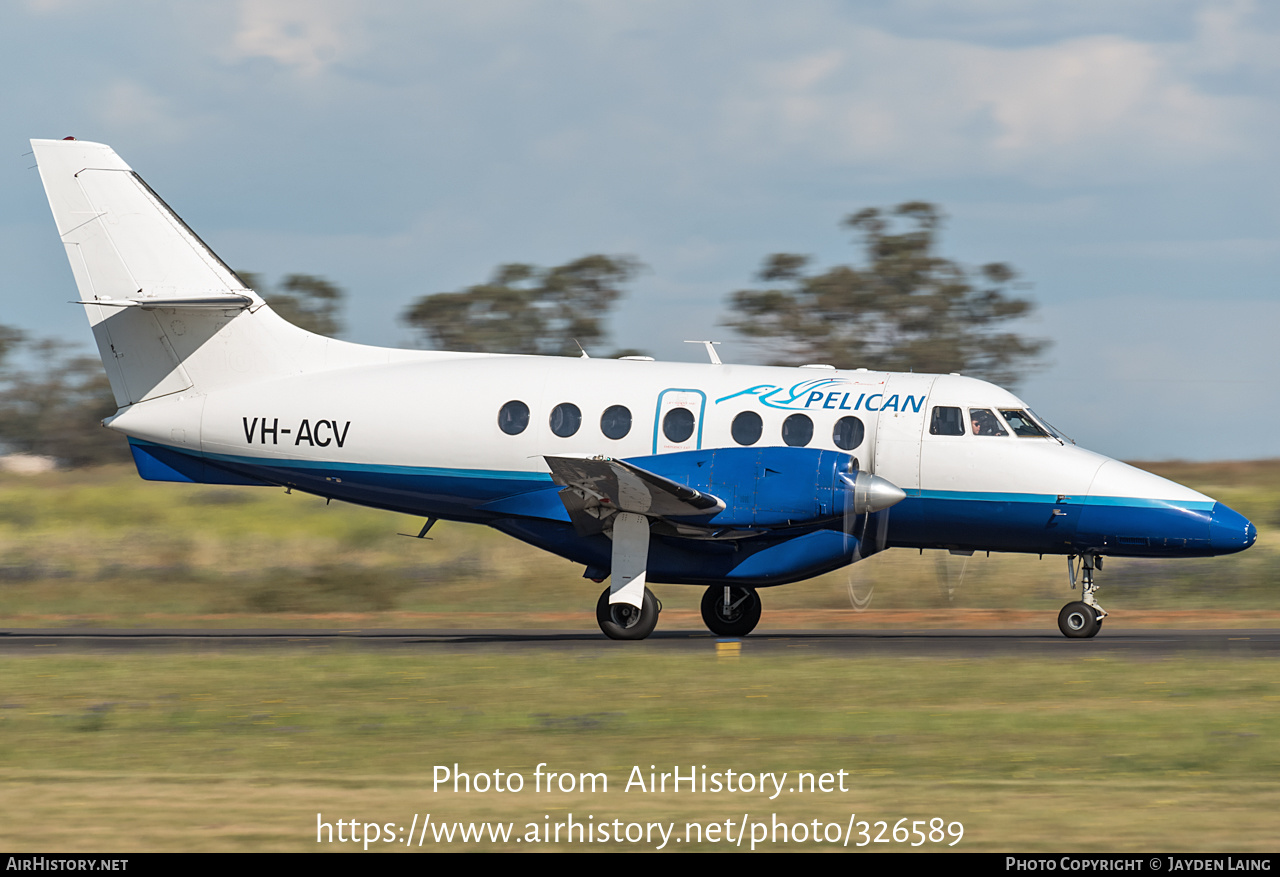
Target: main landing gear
[1082, 619]
[624, 621]
[726, 610]
[730, 611]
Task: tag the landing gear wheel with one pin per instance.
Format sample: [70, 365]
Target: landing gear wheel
[1078, 621]
[624, 621]
[738, 618]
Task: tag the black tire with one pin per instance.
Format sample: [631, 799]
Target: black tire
[624, 621]
[1078, 621]
[743, 615]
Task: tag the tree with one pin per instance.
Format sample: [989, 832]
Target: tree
[55, 407]
[10, 339]
[307, 301]
[526, 309]
[907, 309]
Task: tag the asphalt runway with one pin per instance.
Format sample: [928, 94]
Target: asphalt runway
[907, 643]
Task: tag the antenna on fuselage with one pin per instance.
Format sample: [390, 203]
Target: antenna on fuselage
[711, 350]
[422, 534]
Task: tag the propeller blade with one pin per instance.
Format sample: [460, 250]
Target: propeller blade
[866, 497]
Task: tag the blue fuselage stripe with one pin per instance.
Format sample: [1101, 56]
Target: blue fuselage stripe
[316, 467]
[1052, 499]
[995, 521]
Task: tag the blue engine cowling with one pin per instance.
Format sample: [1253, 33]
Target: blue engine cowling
[761, 487]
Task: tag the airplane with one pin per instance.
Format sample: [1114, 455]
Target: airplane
[734, 478]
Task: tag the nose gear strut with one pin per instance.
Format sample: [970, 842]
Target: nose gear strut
[1082, 619]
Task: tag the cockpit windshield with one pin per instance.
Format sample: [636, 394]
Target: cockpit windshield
[1021, 424]
[1053, 431]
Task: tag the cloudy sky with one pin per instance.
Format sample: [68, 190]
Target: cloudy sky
[1121, 155]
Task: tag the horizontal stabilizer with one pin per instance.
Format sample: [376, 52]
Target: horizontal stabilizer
[615, 484]
[211, 302]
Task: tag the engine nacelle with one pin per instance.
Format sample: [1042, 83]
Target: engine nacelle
[764, 487]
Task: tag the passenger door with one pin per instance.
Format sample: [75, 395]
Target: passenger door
[677, 425]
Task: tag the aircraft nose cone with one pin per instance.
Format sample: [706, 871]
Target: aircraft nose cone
[1230, 531]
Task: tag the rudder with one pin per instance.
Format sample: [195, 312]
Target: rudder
[135, 263]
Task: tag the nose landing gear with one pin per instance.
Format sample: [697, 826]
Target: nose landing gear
[1078, 620]
[1082, 619]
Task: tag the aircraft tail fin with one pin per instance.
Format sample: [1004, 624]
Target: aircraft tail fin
[168, 315]
[124, 241]
[154, 292]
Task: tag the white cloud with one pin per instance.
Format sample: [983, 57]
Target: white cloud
[126, 107]
[305, 35]
[1102, 104]
[48, 6]
[820, 83]
[1229, 38]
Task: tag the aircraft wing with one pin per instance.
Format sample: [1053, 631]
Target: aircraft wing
[602, 483]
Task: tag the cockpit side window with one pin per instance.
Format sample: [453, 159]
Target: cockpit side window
[946, 421]
[1021, 424]
[986, 423]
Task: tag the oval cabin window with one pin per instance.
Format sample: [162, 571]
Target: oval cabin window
[797, 430]
[747, 428]
[513, 418]
[565, 419]
[615, 423]
[677, 426]
[848, 433]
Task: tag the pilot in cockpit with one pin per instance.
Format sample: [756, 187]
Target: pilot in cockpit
[985, 422]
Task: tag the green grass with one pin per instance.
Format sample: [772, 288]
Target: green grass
[240, 751]
[199, 750]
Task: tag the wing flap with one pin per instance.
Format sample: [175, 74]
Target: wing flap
[604, 484]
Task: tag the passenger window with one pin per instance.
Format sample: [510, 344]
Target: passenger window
[565, 419]
[616, 421]
[677, 426]
[747, 428]
[946, 421]
[1022, 425]
[797, 430]
[848, 433]
[985, 423]
[514, 417]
